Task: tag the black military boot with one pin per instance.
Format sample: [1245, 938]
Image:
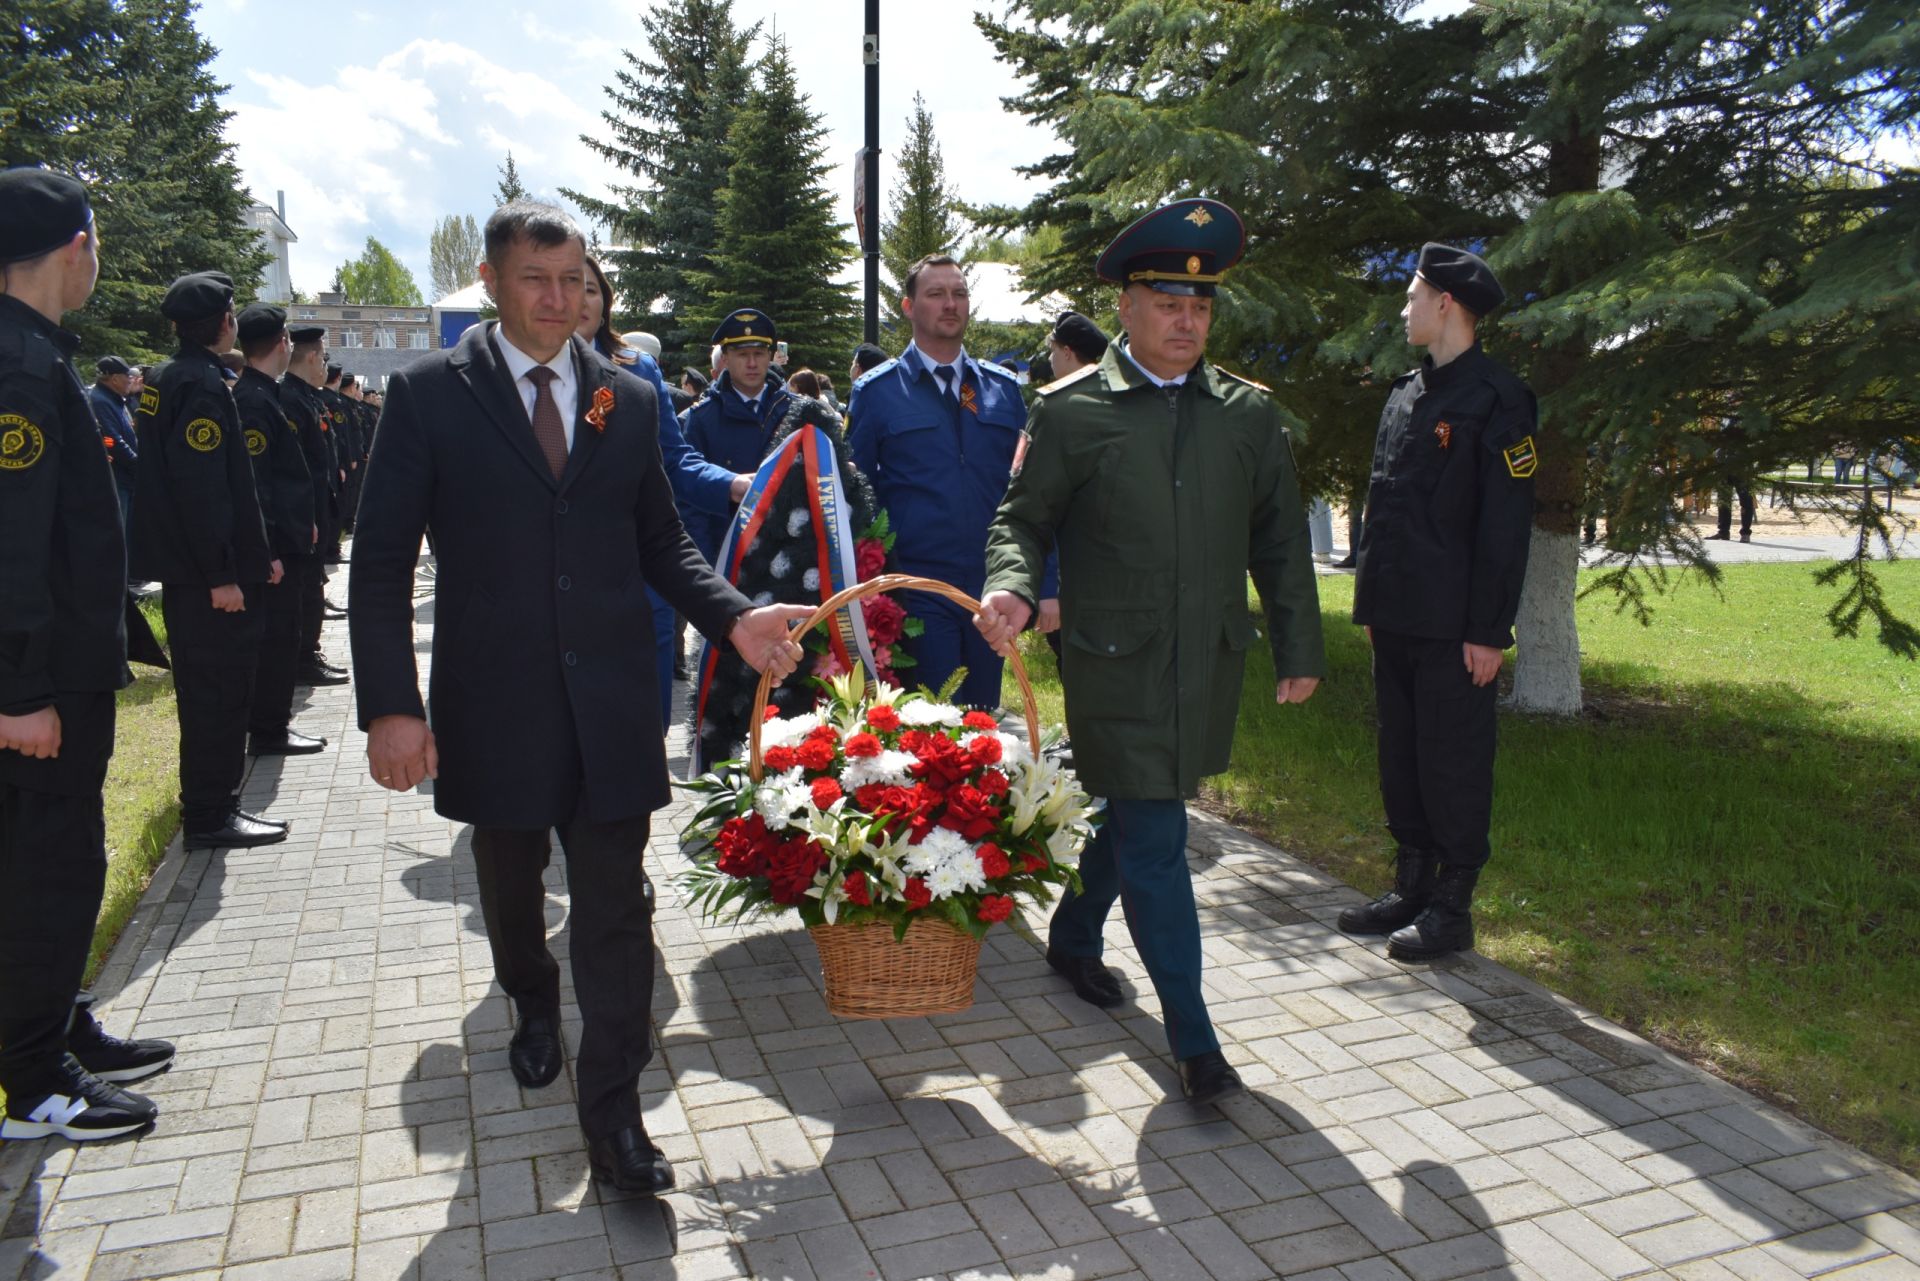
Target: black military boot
[1447, 923]
[1412, 886]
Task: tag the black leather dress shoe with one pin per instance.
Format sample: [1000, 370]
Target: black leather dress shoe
[277, 824]
[1092, 982]
[1208, 1078]
[238, 832]
[321, 674]
[534, 1052]
[628, 1160]
[286, 743]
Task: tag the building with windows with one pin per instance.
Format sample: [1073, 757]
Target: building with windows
[270, 225]
[369, 342]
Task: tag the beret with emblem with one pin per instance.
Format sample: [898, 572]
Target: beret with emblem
[109, 365]
[40, 210]
[746, 328]
[262, 320]
[198, 296]
[307, 333]
[1080, 336]
[1181, 248]
[1464, 275]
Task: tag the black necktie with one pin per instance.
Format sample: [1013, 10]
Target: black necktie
[945, 374]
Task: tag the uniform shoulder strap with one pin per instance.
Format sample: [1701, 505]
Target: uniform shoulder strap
[1061, 384]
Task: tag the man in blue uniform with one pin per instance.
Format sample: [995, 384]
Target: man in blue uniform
[1442, 556]
[936, 431]
[733, 424]
[108, 396]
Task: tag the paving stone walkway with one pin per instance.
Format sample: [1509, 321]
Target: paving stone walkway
[342, 1105]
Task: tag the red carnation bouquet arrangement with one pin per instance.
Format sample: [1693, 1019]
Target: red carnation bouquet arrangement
[886, 806]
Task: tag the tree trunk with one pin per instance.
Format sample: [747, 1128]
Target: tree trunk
[1546, 671]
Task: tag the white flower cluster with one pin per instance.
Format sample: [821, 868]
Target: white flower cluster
[921, 713]
[788, 731]
[798, 519]
[781, 796]
[947, 862]
[888, 767]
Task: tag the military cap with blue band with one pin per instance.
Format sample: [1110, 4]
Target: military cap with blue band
[198, 296]
[1464, 275]
[1181, 248]
[40, 211]
[746, 328]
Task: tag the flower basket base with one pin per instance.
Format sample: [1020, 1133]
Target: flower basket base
[869, 976]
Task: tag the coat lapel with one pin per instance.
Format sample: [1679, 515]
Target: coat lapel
[594, 374]
[486, 378]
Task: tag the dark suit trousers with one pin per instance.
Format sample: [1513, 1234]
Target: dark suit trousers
[610, 948]
[1436, 747]
[280, 649]
[214, 654]
[311, 571]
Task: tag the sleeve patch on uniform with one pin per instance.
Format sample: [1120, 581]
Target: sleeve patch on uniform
[1521, 458]
[1020, 452]
[150, 401]
[256, 441]
[21, 443]
[204, 435]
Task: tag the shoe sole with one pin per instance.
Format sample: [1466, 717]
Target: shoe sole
[1098, 1001]
[120, 1076]
[275, 838]
[14, 1129]
[1202, 1100]
[1407, 954]
[606, 1179]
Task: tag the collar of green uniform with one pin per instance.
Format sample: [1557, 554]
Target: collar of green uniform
[1120, 373]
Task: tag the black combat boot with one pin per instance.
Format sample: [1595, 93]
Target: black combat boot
[1447, 923]
[1412, 886]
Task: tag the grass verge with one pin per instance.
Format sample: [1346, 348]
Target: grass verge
[1722, 854]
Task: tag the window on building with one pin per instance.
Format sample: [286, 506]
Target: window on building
[349, 315]
[418, 340]
[384, 337]
[350, 338]
[305, 313]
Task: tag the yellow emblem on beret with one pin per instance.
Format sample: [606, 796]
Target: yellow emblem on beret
[1193, 262]
[1521, 459]
[256, 441]
[150, 401]
[21, 443]
[1199, 217]
[204, 435]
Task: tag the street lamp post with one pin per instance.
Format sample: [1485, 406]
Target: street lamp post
[870, 171]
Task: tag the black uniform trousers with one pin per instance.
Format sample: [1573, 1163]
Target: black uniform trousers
[1436, 747]
[610, 947]
[311, 572]
[53, 869]
[281, 649]
[214, 656]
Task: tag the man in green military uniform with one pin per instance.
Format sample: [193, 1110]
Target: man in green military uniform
[1164, 481]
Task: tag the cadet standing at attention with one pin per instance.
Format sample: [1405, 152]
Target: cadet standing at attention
[733, 424]
[199, 535]
[1164, 481]
[1441, 559]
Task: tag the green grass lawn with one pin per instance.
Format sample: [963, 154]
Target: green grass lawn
[1723, 854]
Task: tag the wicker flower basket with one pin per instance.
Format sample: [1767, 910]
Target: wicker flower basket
[869, 975]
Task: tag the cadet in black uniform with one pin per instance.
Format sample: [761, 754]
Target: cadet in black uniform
[62, 655]
[199, 534]
[285, 488]
[335, 423]
[300, 399]
[1442, 554]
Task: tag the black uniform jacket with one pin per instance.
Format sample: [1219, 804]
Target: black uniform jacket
[1450, 504]
[196, 518]
[279, 467]
[301, 404]
[544, 697]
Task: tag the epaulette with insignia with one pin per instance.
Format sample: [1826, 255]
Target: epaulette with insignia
[873, 373]
[1061, 384]
[1245, 381]
[1002, 370]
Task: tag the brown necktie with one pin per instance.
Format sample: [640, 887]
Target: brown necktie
[547, 428]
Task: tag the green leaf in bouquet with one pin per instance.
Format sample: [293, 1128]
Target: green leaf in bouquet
[912, 627]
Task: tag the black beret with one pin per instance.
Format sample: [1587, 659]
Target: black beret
[112, 365]
[746, 328]
[307, 333]
[868, 356]
[262, 320]
[40, 210]
[1464, 275]
[346, 381]
[1080, 336]
[333, 372]
[198, 296]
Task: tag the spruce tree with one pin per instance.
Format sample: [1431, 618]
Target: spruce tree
[920, 219]
[667, 129]
[453, 253]
[1678, 200]
[510, 187]
[119, 95]
[778, 247]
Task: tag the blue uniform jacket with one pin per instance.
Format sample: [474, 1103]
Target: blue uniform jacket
[698, 485]
[724, 430]
[111, 413]
[940, 468]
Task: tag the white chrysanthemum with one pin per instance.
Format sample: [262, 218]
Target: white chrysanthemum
[920, 713]
[781, 796]
[763, 598]
[811, 580]
[940, 848]
[797, 520]
[785, 731]
[949, 879]
[782, 564]
[888, 767]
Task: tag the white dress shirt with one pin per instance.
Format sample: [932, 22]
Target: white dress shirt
[1151, 377]
[565, 387]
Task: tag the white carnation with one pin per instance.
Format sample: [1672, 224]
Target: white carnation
[763, 598]
[782, 564]
[920, 713]
[888, 767]
[785, 731]
[811, 580]
[797, 520]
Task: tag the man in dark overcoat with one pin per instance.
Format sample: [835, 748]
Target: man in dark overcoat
[536, 465]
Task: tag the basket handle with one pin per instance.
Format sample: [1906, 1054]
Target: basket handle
[859, 591]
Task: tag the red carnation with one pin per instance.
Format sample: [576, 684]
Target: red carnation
[825, 734]
[941, 763]
[970, 812]
[742, 845]
[825, 792]
[780, 759]
[859, 745]
[993, 783]
[993, 861]
[1032, 863]
[995, 907]
[918, 895]
[885, 619]
[773, 714]
[871, 797]
[979, 720]
[855, 888]
[985, 750]
[815, 754]
[883, 718]
[869, 558]
[791, 868]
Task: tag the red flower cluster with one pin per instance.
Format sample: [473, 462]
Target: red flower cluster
[882, 717]
[995, 907]
[747, 849]
[869, 558]
[885, 619]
